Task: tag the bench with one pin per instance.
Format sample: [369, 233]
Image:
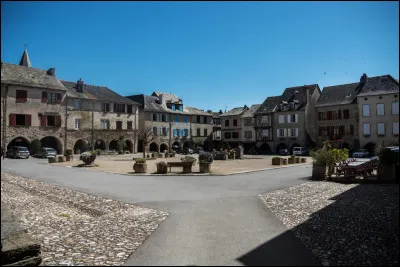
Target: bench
[180, 164]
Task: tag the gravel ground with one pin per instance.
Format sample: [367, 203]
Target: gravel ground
[77, 228]
[342, 224]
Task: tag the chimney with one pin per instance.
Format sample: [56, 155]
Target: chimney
[161, 98]
[209, 111]
[363, 79]
[51, 72]
[79, 86]
[220, 111]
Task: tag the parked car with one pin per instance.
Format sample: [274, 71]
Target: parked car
[360, 153]
[18, 152]
[284, 152]
[188, 151]
[300, 151]
[48, 152]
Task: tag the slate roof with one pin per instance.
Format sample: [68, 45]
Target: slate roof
[30, 77]
[298, 93]
[250, 112]
[196, 111]
[168, 97]
[100, 93]
[385, 84]
[269, 104]
[338, 95]
[216, 114]
[234, 112]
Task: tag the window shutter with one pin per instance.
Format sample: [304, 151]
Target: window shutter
[183, 132]
[115, 107]
[59, 98]
[28, 120]
[285, 132]
[288, 118]
[58, 121]
[351, 130]
[340, 114]
[277, 133]
[174, 132]
[43, 121]
[297, 131]
[297, 118]
[329, 115]
[44, 97]
[13, 119]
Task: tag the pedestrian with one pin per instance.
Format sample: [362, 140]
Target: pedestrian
[2, 152]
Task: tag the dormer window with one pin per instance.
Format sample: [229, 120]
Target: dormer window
[292, 105]
[173, 107]
[180, 108]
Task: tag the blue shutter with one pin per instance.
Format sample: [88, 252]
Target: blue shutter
[173, 107]
[174, 132]
[183, 132]
[180, 108]
[176, 119]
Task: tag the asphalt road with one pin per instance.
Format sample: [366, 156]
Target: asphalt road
[214, 220]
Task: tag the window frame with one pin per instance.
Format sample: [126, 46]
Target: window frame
[377, 109]
[369, 110]
[19, 99]
[129, 125]
[105, 107]
[107, 124]
[116, 125]
[394, 102]
[377, 129]
[369, 127]
[52, 98]
[393, 123]
[78, 125]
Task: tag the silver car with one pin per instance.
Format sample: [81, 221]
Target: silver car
[18, 152]
[48, 152]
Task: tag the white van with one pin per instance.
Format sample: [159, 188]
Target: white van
[299, 151]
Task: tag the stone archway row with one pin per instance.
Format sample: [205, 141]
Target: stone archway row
[46, 141]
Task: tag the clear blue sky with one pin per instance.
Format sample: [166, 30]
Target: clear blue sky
[211, 54]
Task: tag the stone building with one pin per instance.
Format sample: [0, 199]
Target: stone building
[263, 125]
[173, 124]
[98, 117]
[231, 128]
[33, 105]
[378, 109]
[294, 117]
[248, 132]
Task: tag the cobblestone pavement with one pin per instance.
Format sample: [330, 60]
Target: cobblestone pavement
[78, 228]
[342, 224]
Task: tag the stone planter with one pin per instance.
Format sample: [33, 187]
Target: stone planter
[290, 160]
[205, 167]
[162, 169]
[303, 160]
[297, 160]
[284, 161]
[61, 159]
[52, 159]
[276, 161]
[140, 167]
[187, 168]
[166, 155]
[319, 172]
[69, 158]
[386, 172]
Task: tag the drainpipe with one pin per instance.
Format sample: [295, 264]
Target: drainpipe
[4, 109]
[65, 123]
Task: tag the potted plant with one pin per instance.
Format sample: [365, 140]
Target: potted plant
[188, 161]
[303, 160]
[61, 158]
[284, 161]
[320, 162]
[205, 160]
[68, 155]
[140, 165]
[162, 167]
[52, 159]
[291, 160]
[88, 157]
[296, 159]
[276, 161]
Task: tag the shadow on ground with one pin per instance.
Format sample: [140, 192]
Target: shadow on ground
[360, 227]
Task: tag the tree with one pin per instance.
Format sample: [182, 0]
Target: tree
[35, 146]
[146, 135]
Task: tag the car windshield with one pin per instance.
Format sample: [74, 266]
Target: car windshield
[361, 150]
[49, 150]
[22, 149]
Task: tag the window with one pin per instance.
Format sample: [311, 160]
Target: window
[178, 132]
[198, 119]
[77, 124]
[119, 107]
[176, 118]
[205, 119]
[348, 130]
[293, 132]
[164, 130]
[20, 120]
[366, 110]
[155, 131]
[76, 103]
[395, 108]
[105, 124]
[323, 131]
[105, 107]
[129, 107]
[281, 133]
[198, 131]
[335, 115]
[173, 107]
[380, 128]
[184, 119]
[367, 129]
[247, 121]
[264, 119]
[329, 115]
[346, 114]
[380, 109]
[21, 96]
[248, 134]
[265, 132]
[118, 125]
[205, 132]
[235, 135]
[52, 98]
[293, 118]
[227, 135]
[180, 108]
[174, 132]
[154, 117]
[395, 128]
[129, 125]
[235, 122]
[281, 118]
[51, 121]
[163, 117]
[186, 132]
[226, 122]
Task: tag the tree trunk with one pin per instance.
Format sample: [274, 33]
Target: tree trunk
[144, 149]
